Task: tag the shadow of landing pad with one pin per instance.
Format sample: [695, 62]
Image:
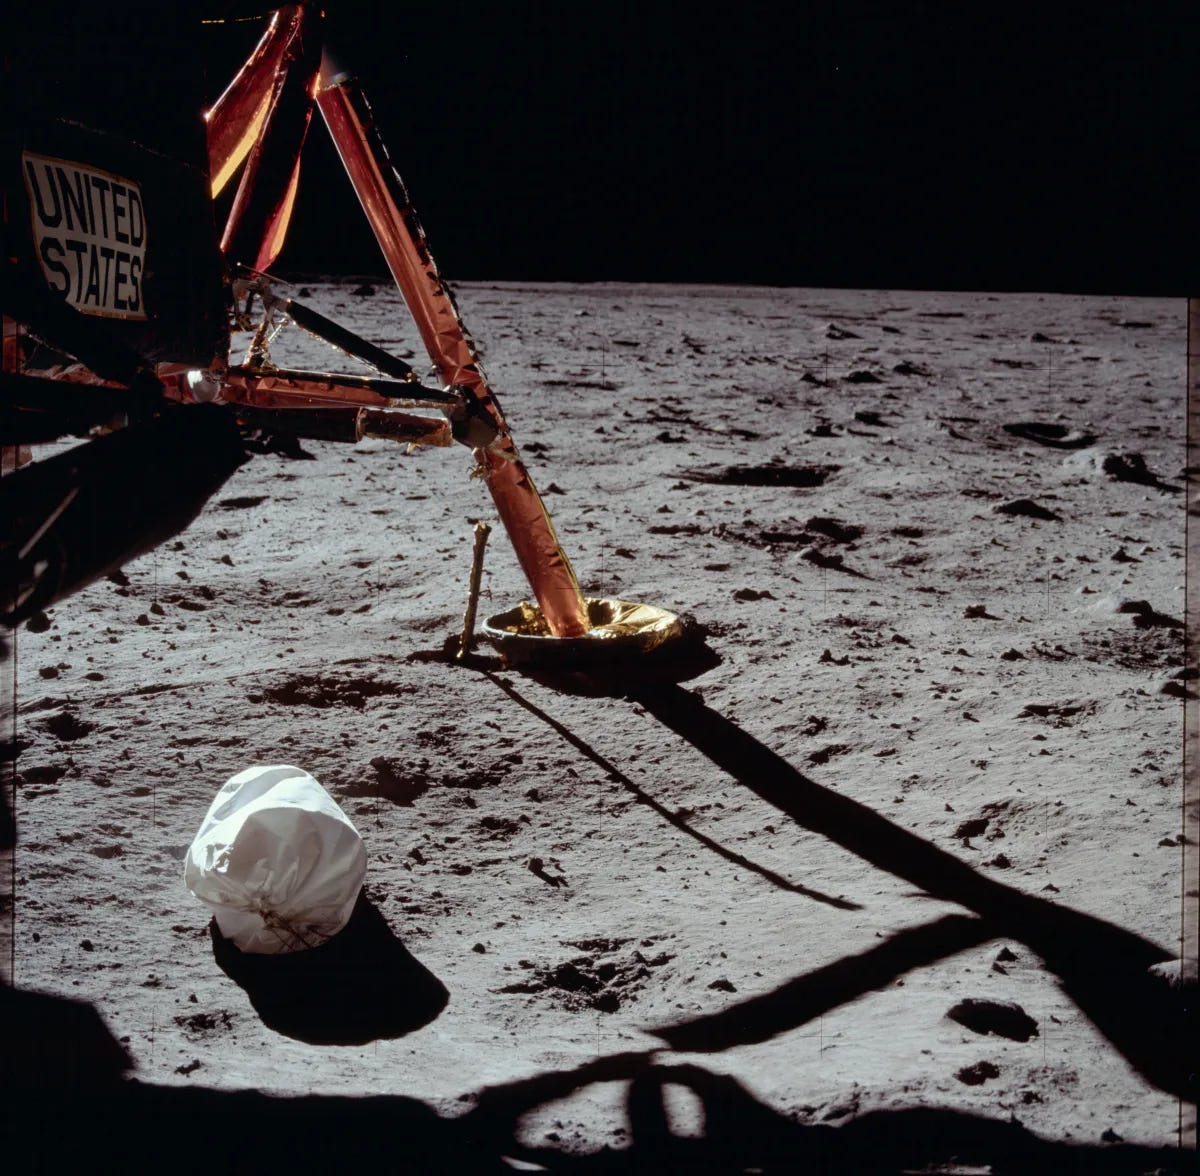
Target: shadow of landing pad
[671, 817]
[1102, 967]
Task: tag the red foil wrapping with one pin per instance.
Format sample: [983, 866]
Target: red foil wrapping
[237, 117]
[394, 222]
[262, 208]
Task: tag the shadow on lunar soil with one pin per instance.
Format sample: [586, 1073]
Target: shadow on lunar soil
[362, 985]
[110, 1122]
[127, 1126]
[1102, 967]
[668, 815]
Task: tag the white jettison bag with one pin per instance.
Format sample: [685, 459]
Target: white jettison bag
[277, 860]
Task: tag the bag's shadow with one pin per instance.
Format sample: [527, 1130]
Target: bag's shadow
[362, 985]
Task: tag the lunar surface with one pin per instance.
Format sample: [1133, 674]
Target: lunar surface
[891, 860]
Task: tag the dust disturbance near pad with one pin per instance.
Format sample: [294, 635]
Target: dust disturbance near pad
[621, 631]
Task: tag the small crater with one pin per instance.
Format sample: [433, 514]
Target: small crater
[1054, 436]
[1026, 508]
[833, 529]
[499, 828]
[1058, 715]
[1131, 467]
[67, 726]
[824, 754]
[977, 1074]
[589, 982]
[321, 692]
[205, 1024]
[396, 781]
[43, 774]
[1004, 1018]
[804, 477]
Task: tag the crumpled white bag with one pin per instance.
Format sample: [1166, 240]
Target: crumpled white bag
[277, 860]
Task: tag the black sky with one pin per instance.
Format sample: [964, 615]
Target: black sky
[932, 145]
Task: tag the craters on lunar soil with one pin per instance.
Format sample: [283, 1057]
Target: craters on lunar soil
[802, 476]
[1150, 649]
[1003, 1018]
[996, 820]
[1026, 508]
[608, 974]
[66, 726]
[1153, 642]
[1051, 435]
[327, 690]
[987, 626]
[199, 1026]
[866, 632]
[392, 779]
[977, 1074]
[1062, 714]
[403, 780]
[817, 532]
